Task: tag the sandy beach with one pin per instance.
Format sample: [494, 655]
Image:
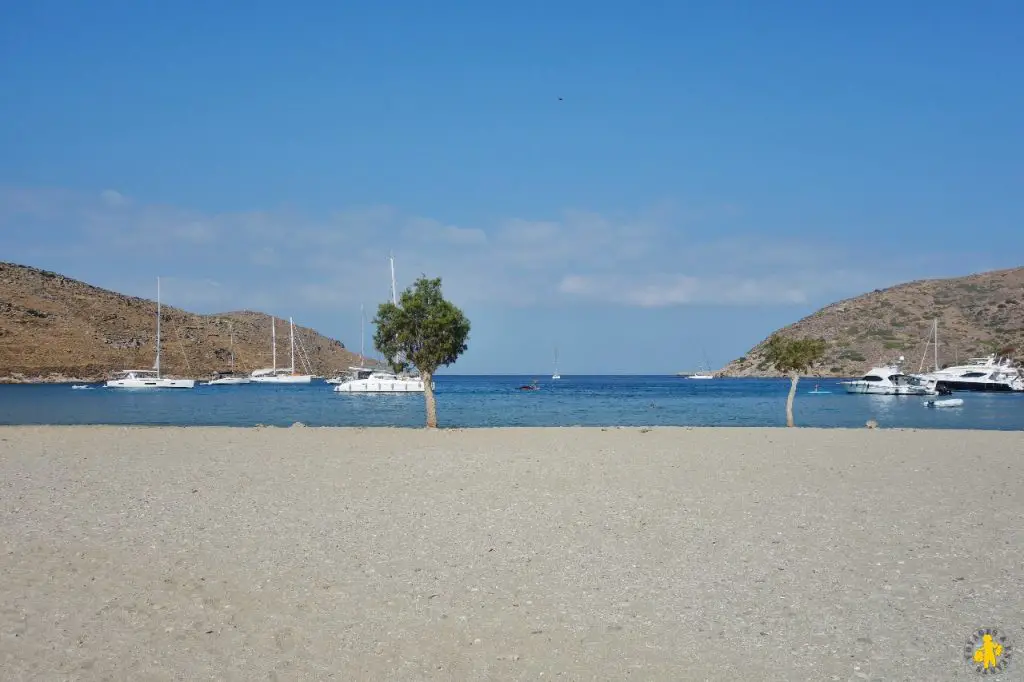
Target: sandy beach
[506, 554]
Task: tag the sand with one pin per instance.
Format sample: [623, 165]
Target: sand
[506, 554]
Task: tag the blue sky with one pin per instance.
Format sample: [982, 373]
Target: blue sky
[712, 172]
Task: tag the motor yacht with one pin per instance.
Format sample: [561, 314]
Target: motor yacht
[890, 380]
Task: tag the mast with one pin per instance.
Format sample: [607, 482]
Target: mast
[394, 290]
[273, 340]
[936, 323]
[291, 332]
[231, 331]
[157, 328]
[362, 335]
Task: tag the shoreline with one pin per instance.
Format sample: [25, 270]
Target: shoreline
[39, 381]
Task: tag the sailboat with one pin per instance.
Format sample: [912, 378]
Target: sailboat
[703, 372]
[366, 380]
[149, 378]
[556, 375]
[229, 378]
[284, 375]
[353, 372]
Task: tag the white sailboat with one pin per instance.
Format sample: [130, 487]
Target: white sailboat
[354, 371]
[556, 375]
[284, 375]
[366, 380]
[229, 378]
[149, 378]
[703, 372]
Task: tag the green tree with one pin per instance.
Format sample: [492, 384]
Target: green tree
[423, 330]
[793, 356]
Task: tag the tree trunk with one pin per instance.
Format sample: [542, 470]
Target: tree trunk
[428, 395]
[793, 378]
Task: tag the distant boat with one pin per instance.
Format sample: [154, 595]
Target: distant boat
[361, 371]
[948, 402]
[556, 375]
[229, 378]
[532, 386]
[149, 378]
[703, 372]
[284, 375]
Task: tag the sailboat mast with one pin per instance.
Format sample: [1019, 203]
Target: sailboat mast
[394, 289]
[936, 326]
[231, 331]
[291, 332]
[362, 334]
[157, 327]
[273, 340]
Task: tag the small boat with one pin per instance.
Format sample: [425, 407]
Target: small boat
[817, 390]
[948, 402]
[228, 379]
[556, 375]
[82, 387]
[532, 386]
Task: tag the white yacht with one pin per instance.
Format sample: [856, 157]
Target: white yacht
[890, 380]
[228, 379]
[703, 372]
[365, 380]
[989, 374]
[283, 375]
[149, 378]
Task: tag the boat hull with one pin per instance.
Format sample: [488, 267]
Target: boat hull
[949, 402]
[381, 386]
[978, 386]
[151, 383]
[868, 389]
[287, 379]
[231, 381]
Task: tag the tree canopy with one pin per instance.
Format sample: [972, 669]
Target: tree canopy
[793, 355]
[423, 330]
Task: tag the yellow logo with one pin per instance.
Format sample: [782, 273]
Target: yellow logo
[988, 651]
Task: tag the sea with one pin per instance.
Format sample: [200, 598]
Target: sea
[482, 401]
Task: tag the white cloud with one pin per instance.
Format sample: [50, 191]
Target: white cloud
[113, 198]
[658, 291]
[664, 256]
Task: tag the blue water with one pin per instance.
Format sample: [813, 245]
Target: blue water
[469, 401]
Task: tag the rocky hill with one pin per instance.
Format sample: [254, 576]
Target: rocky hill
[53, 328]
[977, 315]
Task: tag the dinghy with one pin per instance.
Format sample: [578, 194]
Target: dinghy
[948, 402]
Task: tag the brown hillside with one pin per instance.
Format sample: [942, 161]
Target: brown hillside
[977, 314]
[53, 328]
